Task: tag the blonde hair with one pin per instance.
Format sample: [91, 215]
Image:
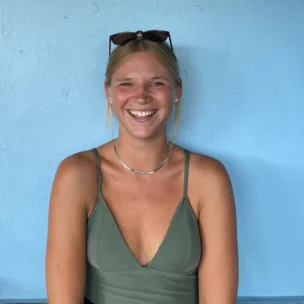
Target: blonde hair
[161, 51]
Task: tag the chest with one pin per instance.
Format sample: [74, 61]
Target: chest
[143, 212]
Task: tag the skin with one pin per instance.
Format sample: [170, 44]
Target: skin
[141, 83]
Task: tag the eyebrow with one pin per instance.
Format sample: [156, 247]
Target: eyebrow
[162, 78]
[153, 78]
[123, 79]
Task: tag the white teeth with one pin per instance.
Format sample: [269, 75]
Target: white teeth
[141, 114]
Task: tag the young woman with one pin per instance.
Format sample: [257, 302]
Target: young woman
[139, 219]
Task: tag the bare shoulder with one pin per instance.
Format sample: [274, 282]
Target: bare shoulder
[77, 175]
[210, 176]
[208, 167]
[76, 168]
[76, 164]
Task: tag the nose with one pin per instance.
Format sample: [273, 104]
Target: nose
[142, 94]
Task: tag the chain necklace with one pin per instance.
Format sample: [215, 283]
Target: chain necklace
[141, 172]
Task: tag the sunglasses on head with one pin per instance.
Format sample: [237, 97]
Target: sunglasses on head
[123, 38]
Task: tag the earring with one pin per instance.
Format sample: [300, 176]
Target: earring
[110, 100]
[177, 100]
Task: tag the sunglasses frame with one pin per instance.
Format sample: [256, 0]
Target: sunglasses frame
[136, 34]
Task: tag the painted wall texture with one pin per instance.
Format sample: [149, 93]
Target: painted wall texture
[243, 71]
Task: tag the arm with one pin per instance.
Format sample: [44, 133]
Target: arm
[218, 269]
[65, 254]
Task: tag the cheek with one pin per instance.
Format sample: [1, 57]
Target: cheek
[169, 97]
[120, 94]
[164, 94]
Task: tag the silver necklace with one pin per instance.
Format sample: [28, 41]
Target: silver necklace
[141, 172]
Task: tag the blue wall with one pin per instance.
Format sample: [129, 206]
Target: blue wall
[243, 69]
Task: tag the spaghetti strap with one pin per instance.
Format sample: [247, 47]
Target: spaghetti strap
[187, 158]
[96, 156]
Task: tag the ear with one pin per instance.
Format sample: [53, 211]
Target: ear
[179, 90]
[107, 91]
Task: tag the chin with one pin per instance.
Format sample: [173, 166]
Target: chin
[145, 134]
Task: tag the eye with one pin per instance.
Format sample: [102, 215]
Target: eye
[126, 84]
[157, 84]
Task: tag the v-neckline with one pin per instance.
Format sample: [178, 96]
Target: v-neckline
[126, 244]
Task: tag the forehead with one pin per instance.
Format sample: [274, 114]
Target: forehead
[143, 63]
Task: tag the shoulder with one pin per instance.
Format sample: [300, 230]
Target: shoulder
[76, 179]
[210, 176]
[81, 167]
[203, 167]
[76, 166]
[208, 167]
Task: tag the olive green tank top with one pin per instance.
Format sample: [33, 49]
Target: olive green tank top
[114, 276]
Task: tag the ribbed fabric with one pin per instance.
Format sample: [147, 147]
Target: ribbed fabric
[114, 276]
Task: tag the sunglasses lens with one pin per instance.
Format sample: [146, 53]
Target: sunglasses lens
[123, 38]
[159, 36]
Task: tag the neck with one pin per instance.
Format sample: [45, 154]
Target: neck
[143, 155]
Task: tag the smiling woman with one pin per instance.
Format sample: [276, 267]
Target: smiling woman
[140, 219]
[143, 93]
[162, 76]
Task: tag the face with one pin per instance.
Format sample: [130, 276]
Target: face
[143, 92]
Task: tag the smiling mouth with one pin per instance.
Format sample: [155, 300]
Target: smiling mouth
[142, 114]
